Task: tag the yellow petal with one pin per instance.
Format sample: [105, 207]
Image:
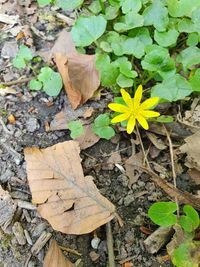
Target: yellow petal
[149, 102]
[137, 97]
[121, 117]
[127, 98]
[149, 113]
[131, 125]
[142, 121]
[118, 107]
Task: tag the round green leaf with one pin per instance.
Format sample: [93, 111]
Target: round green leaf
[195, 81]
[69, 4]
[19, 62]
[173, 89]
[193, 39]
[35, 85]
[189, 57]
[95, 7]
[130, 5]
[166, 39]
[101, 127]
[88, 29]
[162, 213]
[111, 12]
[76, 129]
[43, 2]
[124, 82]
[192, 214]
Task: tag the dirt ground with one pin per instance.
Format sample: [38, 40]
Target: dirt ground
[32, 112]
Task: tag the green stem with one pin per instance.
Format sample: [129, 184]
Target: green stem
[148, 79]
[102, 6]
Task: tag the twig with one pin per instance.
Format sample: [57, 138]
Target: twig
[111, 257]
[25, 80]
[72, 251]
[172, 162]
[142, 146]
[4, 127]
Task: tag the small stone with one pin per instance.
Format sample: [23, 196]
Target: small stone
[28, 238]
[19, 233]
[94, 256]
[9, 49]
[32, 125]
[129, 237]
[128, 200]
[7, 207]
[39, 229]
[26, 205]
[95, 242]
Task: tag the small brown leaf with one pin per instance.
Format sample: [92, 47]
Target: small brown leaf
[131, 167]
[78, 71]
[87, 139]
[195, 175]
[55, 257]
[70, 202]
[192, 149]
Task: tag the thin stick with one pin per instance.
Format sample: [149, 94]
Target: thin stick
[172, 162]
[142, 146]
[25, 80]
[72, 251]
[111, 257]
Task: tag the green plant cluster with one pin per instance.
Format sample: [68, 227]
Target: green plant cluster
[143, 41]
[64, 4]
[162, 213]
[45, 79]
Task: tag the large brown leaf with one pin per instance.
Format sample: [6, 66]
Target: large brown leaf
[69, 201]
[55, 257]
[78, 71]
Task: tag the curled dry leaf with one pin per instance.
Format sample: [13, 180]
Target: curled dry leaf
[78, 71]
[132, 166]
[55, 257]
[70, 202]
[88, 138]
[192, 149]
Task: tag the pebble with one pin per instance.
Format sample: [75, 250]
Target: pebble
[9, 50]
[95, 242]
[128, 200]
[26, 205]
[28, 238]
[39, 229]
[19, 233]
[32, 125]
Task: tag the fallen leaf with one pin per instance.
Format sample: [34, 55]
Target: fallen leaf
[192, 149]
[88, 113]
[158, 143]
[87, 139]
[7, 90]
[132, 171]
[78, 71]
[70, 202]
[55, 257]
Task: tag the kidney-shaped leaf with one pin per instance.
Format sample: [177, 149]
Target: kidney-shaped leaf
[70, 202]
[88, 29]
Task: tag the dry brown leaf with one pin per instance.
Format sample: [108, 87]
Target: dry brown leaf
[70, 202]
[132, 171]
[192, 149]
[158, 143]
[88, 138]
[195, 175]
[55, 257]
[78, 71]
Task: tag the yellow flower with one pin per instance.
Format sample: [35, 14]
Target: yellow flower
[134, 110]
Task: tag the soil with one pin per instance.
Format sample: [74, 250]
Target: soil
[32, 112]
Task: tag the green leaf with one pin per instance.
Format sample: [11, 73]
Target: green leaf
[35, 85]
[133, 46]
[130, 5]
[105, 46]
[24, 54]
[162, 213]
[123, 81]
[69, 4]
[166, 39]
[108, 71]
[130, 21]
[43, 2]
[189, 57]
[52, 81]
[182, 257]
[143, 35]
[186, 25]
[193, 39]
[125, 69]
[88, 29]
[76, 129]
[181, 8]
[165, 119]
[190, 222]
[195, 81]
[101, 127]
[157, 15]
[95, 7]
[196, 19]
[111, 12]
[173, 89]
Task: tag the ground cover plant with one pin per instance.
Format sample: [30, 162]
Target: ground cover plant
[112, 146]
